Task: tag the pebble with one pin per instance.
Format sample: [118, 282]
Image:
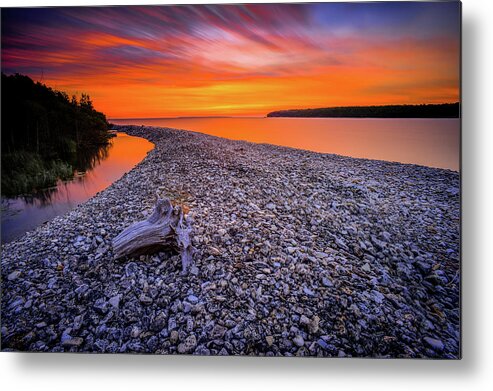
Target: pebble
[327, 283]
[144, 299]
[291, 250]
[308, 291]
[101, 306]
[73, 342]
[214, 251]
[289, 245]
[187, 346]
[218, 331]
[14, 275]
[322, 344]
[304, 320]
[313, 326]
[115, 301]
[377, 297]
[434, 343]
[173, 338]
[298, 340]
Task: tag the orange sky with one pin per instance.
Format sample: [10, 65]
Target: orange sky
[239, 60]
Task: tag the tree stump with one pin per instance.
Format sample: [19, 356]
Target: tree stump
[165, 229]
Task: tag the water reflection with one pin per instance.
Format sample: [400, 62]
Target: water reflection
[22, 214]
[86, 160]
[89, 158]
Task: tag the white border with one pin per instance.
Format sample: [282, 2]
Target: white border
[473, 372]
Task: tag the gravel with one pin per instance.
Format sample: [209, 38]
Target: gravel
[296, 254]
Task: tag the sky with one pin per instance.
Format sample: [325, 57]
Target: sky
[208, 60]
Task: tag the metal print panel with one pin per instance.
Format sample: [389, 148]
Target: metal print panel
[254, 179]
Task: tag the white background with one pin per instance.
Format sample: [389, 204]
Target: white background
[473, 372]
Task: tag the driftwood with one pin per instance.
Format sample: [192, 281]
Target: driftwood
[165, 229]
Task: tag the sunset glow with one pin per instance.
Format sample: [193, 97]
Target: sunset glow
[167, 61]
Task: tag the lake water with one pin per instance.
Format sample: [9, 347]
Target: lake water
[23, 214]
[428, 142]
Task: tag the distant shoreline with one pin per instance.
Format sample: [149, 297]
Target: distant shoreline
[428, 111]
[444, 110]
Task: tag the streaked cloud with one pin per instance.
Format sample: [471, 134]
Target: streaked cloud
[239, 59]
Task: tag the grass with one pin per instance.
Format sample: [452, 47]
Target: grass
[24, 172]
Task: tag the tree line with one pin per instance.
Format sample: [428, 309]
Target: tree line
[46, 134]
[444, 110]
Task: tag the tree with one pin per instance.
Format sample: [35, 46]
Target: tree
[47, 127]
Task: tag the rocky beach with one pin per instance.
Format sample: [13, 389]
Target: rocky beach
[296, 253]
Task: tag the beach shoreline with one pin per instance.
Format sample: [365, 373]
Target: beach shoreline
[296, 253]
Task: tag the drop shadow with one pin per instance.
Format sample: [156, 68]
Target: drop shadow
[393, 370]
[470, 191]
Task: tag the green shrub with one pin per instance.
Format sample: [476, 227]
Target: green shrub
[23, 172]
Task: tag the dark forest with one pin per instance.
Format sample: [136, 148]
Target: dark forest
[445, 110]
[46, 135]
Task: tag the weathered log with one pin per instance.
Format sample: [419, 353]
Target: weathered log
[165, 229]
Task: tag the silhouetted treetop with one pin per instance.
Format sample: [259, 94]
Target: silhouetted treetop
[45, 126]
[445, 110]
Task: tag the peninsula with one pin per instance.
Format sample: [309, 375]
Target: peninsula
[444, 110]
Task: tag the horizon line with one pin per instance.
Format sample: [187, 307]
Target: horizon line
[279, 110]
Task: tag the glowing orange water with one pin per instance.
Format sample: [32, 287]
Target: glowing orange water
[428, 142]
[21, 214]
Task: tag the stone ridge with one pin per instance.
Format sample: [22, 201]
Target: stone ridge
[296, 254]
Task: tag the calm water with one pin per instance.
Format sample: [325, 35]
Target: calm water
[20, 215]
[428, 142]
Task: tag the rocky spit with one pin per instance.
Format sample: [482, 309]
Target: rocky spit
[296, 254]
